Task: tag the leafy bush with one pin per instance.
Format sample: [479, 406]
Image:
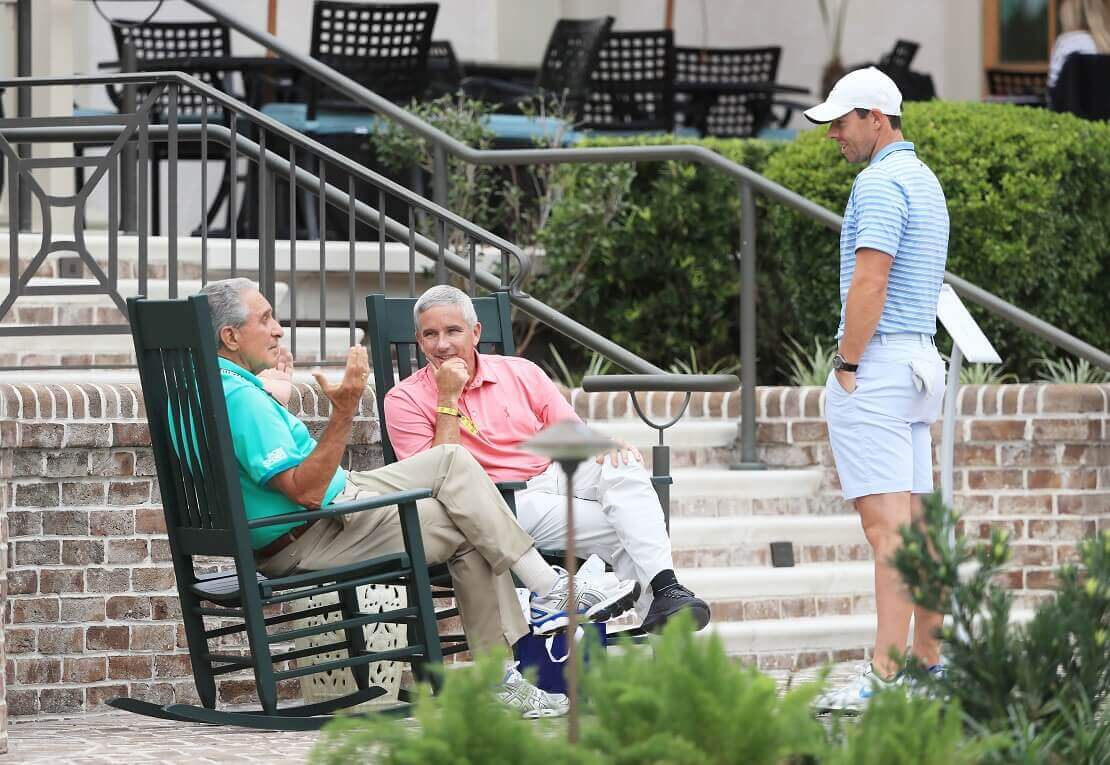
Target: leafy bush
[809, 367]
[1072, 372]
[1040, 683]
[1029, 210]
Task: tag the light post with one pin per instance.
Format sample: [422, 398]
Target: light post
[569, 443]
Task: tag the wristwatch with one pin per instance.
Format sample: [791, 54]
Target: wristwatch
[839, 364]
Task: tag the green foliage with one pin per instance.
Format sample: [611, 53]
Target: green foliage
[690, 704]
[558, 369]
[1028, 205]
[806, 368]
[464, 725]
[1071, 371]
[728, 365]
[986, 374]
[645, 254]
[1037, 682]
[903, 729]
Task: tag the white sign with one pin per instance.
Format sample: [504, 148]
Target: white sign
[955, 318]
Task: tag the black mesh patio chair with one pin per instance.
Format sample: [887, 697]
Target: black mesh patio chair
[383, 46]
[734, 115]
[445, 73]
[565, 71]
[901, 55]
[632, 87]
[1081, 86]
[208, 529]
[1029, 88]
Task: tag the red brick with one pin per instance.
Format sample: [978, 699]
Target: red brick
[23, 703]
[1027, 454]
[82, 609]
[158, 579]
[79, 552]
[237, 692]
[978, 480]
[165, 608]
[144, 463]
[150, 520]
[1010, 395]
[37, 552]
[69, 523]
[35, 610]
[98, 695]
[61, 580]
[61, 700]
[126, 551]
[147, 637]
[24, 523]
[160, 551]
[1083, 504]
[174, 665]
[771, 433]
[1075, 429]
[107, 580]
[795, 608]
[130, 434]
[976, 455]
[828, 606]
[37, 495]
[997, 430]
[1024, 504]
[38, 671]
[88, 434]
[61, 640]
[1044, 579]
[762, 609]
[41, 435]
[23, 582]
[976, 504]
[65, 464]
[101, 638]
[84, 670]
[111, 463]
[809, 431]
[19, 641]
[112, 523]
[129, 492]
[1063, 478]
[129, 667]
[84, 493]
[128, 608]
[1079, 399]
[1032, 554]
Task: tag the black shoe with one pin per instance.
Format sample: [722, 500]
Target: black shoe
[673, 600]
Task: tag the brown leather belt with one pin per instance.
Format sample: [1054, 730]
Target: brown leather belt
[286, 539]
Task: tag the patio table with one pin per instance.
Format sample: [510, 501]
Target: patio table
[704, 95]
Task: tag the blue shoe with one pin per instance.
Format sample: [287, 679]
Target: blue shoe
[854, 697]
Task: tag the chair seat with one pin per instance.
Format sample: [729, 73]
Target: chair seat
[221, 586]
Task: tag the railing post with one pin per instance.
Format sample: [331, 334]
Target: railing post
[23, 105]
[749, 458]
[439, 175]
[127, 177]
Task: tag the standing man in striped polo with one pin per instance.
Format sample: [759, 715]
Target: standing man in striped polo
[888, 379]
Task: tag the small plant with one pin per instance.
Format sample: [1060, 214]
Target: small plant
[806, 367]
[986, 374]
[729, 365]
[598, 365]
[1071, 371]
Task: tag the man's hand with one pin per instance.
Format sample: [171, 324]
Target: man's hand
[278, 381]
[847, 380]
[345, 396]
[451, 378]
[622, 453]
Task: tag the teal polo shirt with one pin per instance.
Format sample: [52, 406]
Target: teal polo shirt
[268, 440]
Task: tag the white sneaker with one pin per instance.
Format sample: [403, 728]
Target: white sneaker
[532, 703]
[854, 697]
[599, 599]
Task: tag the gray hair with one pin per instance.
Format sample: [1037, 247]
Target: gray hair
[225, 302]
[445, 294]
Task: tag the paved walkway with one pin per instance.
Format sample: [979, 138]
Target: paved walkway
[116, 737]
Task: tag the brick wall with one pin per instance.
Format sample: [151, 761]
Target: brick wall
[92, 611]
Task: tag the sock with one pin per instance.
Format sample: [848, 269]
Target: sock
[663, 580]
[535, 572]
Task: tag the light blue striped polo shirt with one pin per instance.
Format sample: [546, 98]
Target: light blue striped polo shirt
[897, 207]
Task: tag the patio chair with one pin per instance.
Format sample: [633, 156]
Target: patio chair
[733, 115]
[208, 529]
[1029, 88]
[632, 86]
[564, 75]
[901, 55]
[445, 73]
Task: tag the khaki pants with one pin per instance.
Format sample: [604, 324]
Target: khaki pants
[466, 525]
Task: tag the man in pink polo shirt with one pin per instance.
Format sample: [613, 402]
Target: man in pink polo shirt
[490, 404]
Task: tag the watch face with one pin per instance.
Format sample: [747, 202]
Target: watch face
[838, 361]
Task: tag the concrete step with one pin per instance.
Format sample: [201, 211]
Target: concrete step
[740, 540]
[753, 582]
[719, 492]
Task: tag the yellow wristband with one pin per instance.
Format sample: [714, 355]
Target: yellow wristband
[449, 410]
[465, 422]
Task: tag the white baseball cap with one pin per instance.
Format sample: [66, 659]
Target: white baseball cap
[862, 89]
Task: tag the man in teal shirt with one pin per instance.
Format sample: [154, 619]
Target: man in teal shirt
[465, 524]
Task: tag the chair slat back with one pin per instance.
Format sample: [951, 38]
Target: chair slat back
[570, 58]
[632, 86]
[901, 55]
[393, 336]
[189, 432]
[180, 39]
[732, 115]
[383, 46]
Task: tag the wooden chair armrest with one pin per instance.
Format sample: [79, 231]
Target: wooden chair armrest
[343, 508]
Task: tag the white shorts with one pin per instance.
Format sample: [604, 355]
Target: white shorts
[880, 432]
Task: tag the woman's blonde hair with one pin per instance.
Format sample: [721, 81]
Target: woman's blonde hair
[1089, 16]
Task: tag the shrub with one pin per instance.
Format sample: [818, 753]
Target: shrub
[1029, 210]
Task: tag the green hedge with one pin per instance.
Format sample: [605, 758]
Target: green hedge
[647, 252]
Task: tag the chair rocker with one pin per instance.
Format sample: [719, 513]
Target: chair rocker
[208, 529]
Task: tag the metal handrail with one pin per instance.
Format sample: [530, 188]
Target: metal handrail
[443, 144]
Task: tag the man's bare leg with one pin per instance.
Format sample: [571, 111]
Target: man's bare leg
[881, 515]
[926, 624]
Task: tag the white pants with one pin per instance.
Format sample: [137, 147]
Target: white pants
[617, 516]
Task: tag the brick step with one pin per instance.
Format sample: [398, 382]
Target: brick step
[719, 492]
[745, 540]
